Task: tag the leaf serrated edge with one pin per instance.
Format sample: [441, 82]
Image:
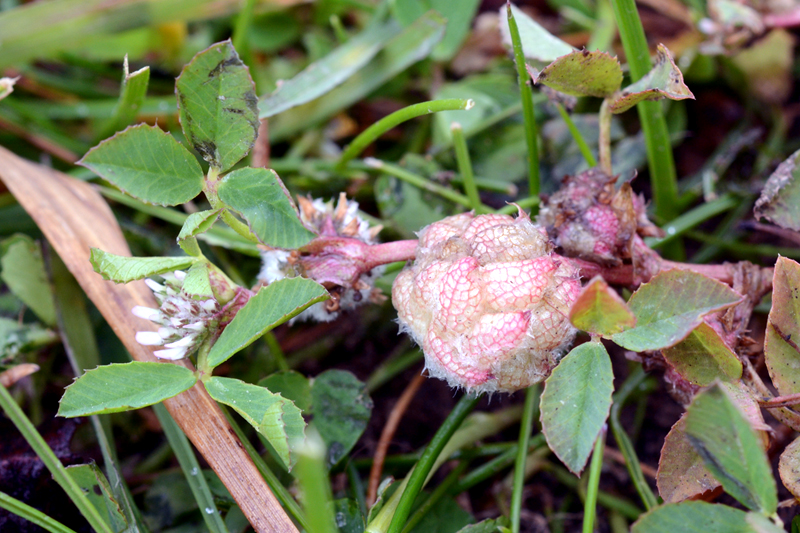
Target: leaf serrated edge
[142, 125]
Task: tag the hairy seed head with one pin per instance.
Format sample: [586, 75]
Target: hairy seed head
[487, 301]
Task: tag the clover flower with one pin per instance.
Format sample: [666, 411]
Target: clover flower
[184, 322]
[590, 218]
[487, 301]
[335, 259]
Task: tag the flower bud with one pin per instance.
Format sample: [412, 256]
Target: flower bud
[588, 217]
[487, 301]
[336, 259]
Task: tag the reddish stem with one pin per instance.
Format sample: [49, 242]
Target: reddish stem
[390, 252]
[624, 274]
[781, 401]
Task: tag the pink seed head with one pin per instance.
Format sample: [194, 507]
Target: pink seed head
[487, 301]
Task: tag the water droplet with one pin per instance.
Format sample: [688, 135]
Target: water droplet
[194, 471]
[209, 510]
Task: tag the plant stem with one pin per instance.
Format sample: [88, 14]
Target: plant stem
[202, 359]
[465, 166]
[418, 476]
[210, 190]
[659, 150]
[391, 367]
[526, 94]
[418, 181]
[624, 274]
[241, 29]
[604, 140]
[624, 442]
[495, 466]
[526, 426]
[191, 470]
[315, 485]
[586, 152]
[695, 217]
[436, 495]
[32, 514]
[281, 493]
[609, 501]
[275, 350]
[510, 209]
[357, 486]
[389, 252]
[53, 464]
[590, 505]
[398, 117]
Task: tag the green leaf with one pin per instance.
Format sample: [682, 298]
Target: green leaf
[196, 285]
[682, 474]
[576, 402]
[218, 105]
[670, 306]
[459, 17]
[701, 517]
[260, 197]
[444, 516]
[348, 516]
[122, 387]
[338, 402]
[16, 338]
[341, 407]
[731, 449]
[272, 415]
[147, 163]
[665, 80]
[332, 70]
[131, 98]
[601, 310]
[789, 467]
[414, 44]
[583, 73]
[781, 351]
[537, 42]
[490, 525]
[291, 385]
[273, 305]
[194, 225]
[780, 199]
[121, 269]
[94, 484]
[703, 357]
[25, 275]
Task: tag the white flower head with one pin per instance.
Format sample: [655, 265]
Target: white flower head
[184, 322]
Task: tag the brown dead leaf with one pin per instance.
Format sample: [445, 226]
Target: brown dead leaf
[681, 472]
[75, 218]
[16, 373]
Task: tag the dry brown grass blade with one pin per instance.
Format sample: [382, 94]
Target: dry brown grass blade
[75, 218]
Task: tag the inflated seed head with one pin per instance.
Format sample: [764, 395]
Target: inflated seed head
[487, 301]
